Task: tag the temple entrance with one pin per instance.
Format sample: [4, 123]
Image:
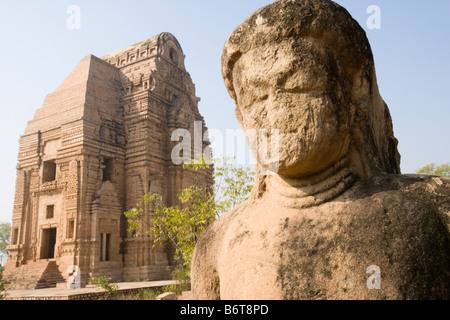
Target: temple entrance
[48, 243]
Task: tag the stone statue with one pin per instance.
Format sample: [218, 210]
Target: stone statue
[337, 220]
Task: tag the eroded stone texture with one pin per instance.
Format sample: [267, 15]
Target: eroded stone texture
[338, 204]
[101, 141]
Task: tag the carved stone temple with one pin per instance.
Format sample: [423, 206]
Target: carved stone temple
[100, 142]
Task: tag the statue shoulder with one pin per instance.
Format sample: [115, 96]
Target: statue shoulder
[436, 187]
[412, 183]
[409, 192]
[216, 231]
[420, 194]
[204, 270]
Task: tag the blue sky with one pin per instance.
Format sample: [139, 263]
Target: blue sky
[412, 55]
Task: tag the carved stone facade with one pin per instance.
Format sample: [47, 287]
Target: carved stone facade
[100, 141]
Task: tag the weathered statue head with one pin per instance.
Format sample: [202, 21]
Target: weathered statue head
[336, 221]
[305, 67]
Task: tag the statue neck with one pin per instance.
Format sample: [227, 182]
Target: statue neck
[313, 190]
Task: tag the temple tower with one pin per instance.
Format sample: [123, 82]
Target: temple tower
[101, 141]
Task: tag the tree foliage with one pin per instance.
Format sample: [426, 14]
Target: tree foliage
[182, 225]
[111, 289]
[2, 285]
[5, 233]
[432, 169]
[233, 184]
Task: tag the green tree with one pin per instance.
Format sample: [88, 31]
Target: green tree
[233, 184]
[184, 224]
[432, 169]
[111, 289]
[5, 233]
[2, 285]
[5, 230]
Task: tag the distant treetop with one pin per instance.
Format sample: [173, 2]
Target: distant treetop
[436, 170]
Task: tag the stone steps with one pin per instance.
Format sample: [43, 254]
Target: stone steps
[50, 277]
[34, 275]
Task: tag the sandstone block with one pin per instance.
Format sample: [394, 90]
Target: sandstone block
[167, 296]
